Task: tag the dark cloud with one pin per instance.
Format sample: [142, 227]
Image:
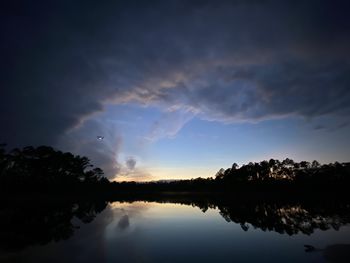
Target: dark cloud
[62, 61]
[319, 127]
[130, 163]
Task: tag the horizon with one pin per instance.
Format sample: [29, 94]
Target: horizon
[168, 90]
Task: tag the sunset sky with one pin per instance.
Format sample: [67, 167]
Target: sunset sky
[178, 89]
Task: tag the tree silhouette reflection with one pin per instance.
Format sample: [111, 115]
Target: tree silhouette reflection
[23, 225]
[285, 217]
[28, 224]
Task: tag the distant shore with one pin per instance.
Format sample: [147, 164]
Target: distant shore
[318, 196]
[46, 173]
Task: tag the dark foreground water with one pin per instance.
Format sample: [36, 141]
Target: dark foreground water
[172, 232]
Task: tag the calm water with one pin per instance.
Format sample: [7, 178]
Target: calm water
[169, 232]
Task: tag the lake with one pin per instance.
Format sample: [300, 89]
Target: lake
[175, 231]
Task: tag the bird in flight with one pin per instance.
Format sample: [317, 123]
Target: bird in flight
[100, 138]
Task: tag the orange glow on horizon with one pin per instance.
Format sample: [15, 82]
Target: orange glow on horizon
[167, 173]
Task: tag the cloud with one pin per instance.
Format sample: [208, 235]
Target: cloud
[228, 61]
[130, 163]
[102, 153]
[319, 127]
[170, 123]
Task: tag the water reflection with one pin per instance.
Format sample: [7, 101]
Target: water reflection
[337, 253]
[27, 224]
[124, 222]
[281, 217]
[288, 219]
[151, 230]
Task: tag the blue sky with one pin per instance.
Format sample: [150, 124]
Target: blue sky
[166, 146]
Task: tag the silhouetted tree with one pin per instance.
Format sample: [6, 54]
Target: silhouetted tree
[315, 164]
[44, 168]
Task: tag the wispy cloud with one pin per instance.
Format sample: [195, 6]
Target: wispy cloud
[170, 123]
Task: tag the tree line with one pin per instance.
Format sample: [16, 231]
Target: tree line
[45, 169]
[259, 177]
[286, 170]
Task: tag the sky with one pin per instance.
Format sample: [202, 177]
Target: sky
[178, 89]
